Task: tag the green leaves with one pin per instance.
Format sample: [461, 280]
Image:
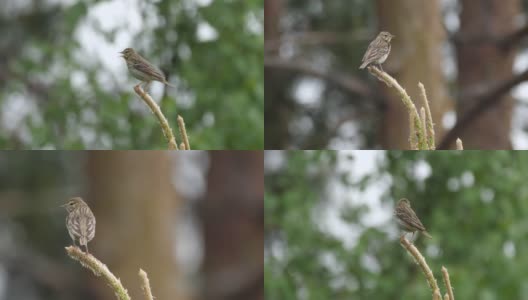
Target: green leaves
[220, 91]
[472, 202]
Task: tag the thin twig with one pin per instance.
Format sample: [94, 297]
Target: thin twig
[165, 127]
[459, 145]
[183, 133]
[430, 124]
[437, 295]
[413, 139]
[145, 285]
[420, 260]
[99, 269]
[349, 83]
[424, 126]
[447, 283]
[484, 101]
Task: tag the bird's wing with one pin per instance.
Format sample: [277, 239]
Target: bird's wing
[371, 53]
[146, 67]
[415, 221]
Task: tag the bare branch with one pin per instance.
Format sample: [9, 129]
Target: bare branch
[447, 283]
[513, 38]
[351, 84]
[99, 269]
[183, 133]
[459, 145]
[145, 285]
[165, 127]
[317, 38]
[414, 117]
[420, 260]
[430, 124]
[424, 125]
[484, 102]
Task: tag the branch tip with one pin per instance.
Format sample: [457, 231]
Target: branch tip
[145, 285]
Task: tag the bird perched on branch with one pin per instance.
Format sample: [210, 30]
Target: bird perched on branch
[80, 221]
[142, 69]
[378, 50]
[407, 218]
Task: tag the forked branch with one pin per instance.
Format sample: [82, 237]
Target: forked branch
[101, 270]
[165, 127]
[431, 280]
[420, 260]
[421, 126]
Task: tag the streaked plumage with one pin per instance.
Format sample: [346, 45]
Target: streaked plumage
[80, 221]
[378, 50]
[407, 218]
[142, 69]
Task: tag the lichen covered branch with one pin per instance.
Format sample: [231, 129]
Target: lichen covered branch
[145, 285]
[99, 269]
[165, 127]
[420, 260]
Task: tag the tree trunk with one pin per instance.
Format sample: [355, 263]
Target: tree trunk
[481, 65]
[135, 206]
[232, 217]
[415, 57]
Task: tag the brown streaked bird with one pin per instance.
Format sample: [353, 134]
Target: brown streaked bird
[378, 50]
[80, 221]
[142, 69]
[407, 218]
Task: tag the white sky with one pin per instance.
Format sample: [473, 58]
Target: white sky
[364, 162]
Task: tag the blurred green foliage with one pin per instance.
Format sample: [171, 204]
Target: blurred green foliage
[473, 203]
[219, 81]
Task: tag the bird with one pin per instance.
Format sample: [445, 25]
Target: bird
[142, 69]
[80, 221]
[378, 50]
[406, 217]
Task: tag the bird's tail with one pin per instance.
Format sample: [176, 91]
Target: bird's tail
[172, 86]
[427, 234]
[363, 65]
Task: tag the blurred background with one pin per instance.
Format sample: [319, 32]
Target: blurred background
[63, 84]
[329, 231]
[192, 221]
[470, 55]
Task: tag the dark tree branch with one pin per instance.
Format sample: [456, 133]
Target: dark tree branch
[348, 83]
[306, 38]
[513, 38]
[506, 42]
[317, 38]
[484, 102]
